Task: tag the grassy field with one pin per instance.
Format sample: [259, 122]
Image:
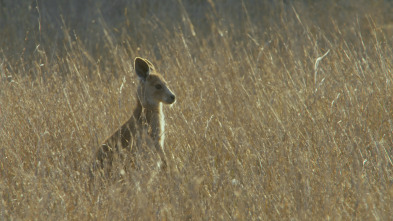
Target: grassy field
[284, 109]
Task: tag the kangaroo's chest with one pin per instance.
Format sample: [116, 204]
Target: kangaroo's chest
[153, 124]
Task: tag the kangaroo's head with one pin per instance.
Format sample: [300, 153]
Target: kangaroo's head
[152, 89]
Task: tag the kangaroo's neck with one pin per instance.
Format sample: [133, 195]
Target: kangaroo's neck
[138, 111]
[153, 116]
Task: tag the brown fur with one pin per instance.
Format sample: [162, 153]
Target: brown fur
[148, 117]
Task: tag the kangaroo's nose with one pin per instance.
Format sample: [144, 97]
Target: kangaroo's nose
[173, 97]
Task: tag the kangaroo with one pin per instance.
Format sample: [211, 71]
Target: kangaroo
[148, 117]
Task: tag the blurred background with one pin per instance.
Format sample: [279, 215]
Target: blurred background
[54, 25]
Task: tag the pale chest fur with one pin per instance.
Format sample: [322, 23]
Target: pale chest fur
[156, 125]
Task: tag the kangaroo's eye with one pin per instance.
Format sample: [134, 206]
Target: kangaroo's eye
[158, 86]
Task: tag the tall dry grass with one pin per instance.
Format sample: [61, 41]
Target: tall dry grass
[265, 127]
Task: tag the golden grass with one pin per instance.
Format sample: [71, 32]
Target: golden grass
[259, 130]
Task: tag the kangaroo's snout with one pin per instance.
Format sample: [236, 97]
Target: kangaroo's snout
[172, 99]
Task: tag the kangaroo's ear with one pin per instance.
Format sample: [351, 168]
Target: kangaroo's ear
[142, 68]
